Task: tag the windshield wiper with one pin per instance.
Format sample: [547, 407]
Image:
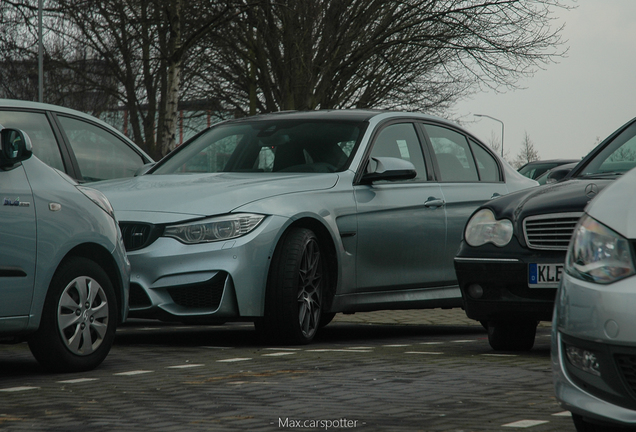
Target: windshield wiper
[602, 174]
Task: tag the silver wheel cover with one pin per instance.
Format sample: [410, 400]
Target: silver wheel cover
[82, 315]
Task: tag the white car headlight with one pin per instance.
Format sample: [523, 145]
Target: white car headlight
[598, 254]
[483, 228]
[98, 198]
[214, 229]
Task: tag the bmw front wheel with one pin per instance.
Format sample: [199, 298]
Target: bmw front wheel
[294, 298]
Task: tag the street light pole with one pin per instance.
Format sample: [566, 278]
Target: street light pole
[40, 55]
[502, 129]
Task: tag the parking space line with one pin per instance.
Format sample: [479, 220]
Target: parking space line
[431, 343]
[500, 355]
[424, 352]
[78, 380]
[282, 349]
[351, 350]
[18, 389]
[135, 372]
[463, 341]
[278, 354]
[563, 414]
[185, 366]
[525, 423]
[231, 360]
[396, 345]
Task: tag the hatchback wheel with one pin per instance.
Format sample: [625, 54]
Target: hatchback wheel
[295, 288]
[79, 318]
[512, 335]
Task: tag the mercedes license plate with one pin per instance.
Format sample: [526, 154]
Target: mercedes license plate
[544, 275]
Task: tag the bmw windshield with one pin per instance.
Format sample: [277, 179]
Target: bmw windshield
[267, 146]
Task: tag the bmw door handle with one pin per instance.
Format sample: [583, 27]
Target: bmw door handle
[434, 202]
[495, 195]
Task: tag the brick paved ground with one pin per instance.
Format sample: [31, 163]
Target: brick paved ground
[429, 316]
[381, 371]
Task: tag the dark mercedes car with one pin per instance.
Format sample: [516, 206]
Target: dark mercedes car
[510, 261]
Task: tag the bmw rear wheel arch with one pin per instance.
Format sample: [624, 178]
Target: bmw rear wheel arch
[79, 319]
[296, 289]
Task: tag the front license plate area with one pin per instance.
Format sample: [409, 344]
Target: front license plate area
[544, 275]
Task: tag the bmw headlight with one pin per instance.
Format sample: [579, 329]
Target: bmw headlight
[214, 229]
[483, 228]
[598, 254]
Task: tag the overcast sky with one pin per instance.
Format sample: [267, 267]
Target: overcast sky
[570, 106]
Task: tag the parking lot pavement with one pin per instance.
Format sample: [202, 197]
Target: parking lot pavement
[382, 371]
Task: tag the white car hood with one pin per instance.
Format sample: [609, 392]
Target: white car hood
[175, 197]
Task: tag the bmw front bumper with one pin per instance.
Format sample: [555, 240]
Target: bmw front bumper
[212, 281]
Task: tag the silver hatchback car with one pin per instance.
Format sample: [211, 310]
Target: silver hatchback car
[64, 275]
[594, 321]
[286, 219]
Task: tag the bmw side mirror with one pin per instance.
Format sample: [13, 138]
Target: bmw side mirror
[388, 169]
[15, 146]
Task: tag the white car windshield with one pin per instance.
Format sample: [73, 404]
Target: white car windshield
[616, 158]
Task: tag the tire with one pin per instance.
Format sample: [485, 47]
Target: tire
[512, 335]
[326, 318]
[295, 290]
[76, 334]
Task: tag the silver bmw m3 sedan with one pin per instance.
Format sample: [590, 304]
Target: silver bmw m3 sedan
[286, 219]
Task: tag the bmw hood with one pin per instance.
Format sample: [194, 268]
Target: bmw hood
[173, 197]
[564, 197]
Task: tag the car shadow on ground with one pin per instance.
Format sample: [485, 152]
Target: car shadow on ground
[244, 335]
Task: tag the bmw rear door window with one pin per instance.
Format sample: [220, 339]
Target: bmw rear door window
[487, 166]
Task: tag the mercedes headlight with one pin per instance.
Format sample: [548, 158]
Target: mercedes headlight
[483, 228]
[214, 229]
[598, 254]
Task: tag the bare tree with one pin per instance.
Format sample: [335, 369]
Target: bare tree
[19, 66]
[406, 54]
[527, 153]
[139, 46]
[494, 141]
[250, 56]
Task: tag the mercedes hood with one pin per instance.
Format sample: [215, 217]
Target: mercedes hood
[563, 197]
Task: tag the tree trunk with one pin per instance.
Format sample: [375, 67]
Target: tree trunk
[171, 95]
